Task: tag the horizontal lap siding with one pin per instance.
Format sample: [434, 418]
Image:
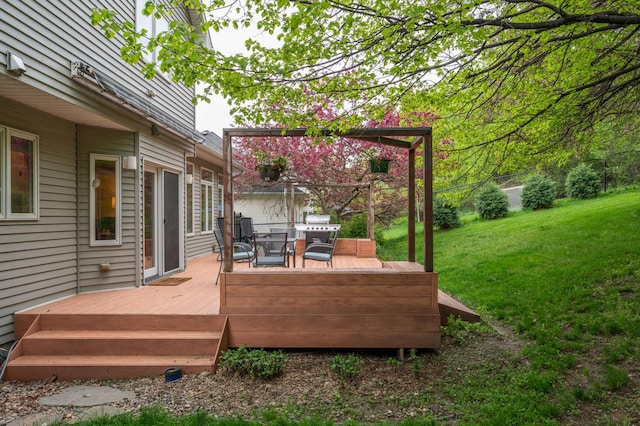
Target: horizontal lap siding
[49, 35]
[380, 308]
[121, 258]
[38, 257]
[201, 243]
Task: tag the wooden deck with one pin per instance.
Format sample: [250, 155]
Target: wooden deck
[359, 303]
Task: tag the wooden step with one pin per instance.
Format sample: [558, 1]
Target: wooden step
[77, 367]
[73, 347]
[121, 342]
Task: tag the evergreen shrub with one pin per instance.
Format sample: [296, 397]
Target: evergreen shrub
[582, 182]
[445, 214]
[492, 202]
[538, 193]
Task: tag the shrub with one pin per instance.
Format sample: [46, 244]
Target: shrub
[492, 202]
[254, 363]
[346, 367]
[538, 193]
[582, 182]
[445, 215]
[356, 227]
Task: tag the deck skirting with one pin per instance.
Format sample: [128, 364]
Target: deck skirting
[380, 308]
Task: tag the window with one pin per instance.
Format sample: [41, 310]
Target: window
[19, 178]
[105, 222]
[189, 180]
[206, 201]
[154, 26]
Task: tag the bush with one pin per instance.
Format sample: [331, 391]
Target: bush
[346, 367]
[356, 227]
[254, 363]
[538, 193]
[582, 182]
[445, 215]
[492, 202]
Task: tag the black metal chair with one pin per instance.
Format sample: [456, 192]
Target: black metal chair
[320, 251]
[270, 249]
[241, 251]
[246, 230]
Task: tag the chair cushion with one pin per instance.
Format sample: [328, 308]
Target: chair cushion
[270, 261]
[242, 255]
[317, 256]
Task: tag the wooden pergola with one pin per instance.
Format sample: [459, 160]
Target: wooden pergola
[409, 138]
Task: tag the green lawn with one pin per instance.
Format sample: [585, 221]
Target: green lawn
[567, 280]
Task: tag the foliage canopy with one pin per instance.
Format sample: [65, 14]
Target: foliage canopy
[515, 81]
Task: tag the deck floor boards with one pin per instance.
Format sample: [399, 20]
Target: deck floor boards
[197, 296]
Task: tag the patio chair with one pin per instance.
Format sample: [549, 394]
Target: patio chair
[291, 241]
[322, 252]
[241, 251]
[271, 249]
[246, 230]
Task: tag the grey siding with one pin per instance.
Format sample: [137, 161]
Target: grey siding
[122, 257]
[39, 256]
[49, 35]
[201, 243]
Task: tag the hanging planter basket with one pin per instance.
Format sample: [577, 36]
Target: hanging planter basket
[268, 173]
[379, 165]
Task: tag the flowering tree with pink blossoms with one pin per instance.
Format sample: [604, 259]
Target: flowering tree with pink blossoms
[336, 173]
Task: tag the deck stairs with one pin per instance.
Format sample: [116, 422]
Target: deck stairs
[102, 346]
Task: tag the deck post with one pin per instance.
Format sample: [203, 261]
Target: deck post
[428, 203]
[411, 219]
[227, 179]
[292, 206]
[370, 212]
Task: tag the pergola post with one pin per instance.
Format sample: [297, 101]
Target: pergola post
[428, 202]
[292, 206]
[370, 213]
[227, 168]
[411, 214]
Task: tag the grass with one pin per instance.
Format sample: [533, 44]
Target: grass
[565, 280]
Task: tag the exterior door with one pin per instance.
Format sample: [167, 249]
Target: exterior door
[150, 223]
[171, 220]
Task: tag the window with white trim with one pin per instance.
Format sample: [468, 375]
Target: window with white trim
[206, 201]
[190, 200]
[19, 177]
[105, 218]
[154, 26]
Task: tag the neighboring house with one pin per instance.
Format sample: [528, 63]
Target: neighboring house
[270, 205]
[104, 183]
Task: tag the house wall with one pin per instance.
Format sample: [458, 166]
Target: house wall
[49, 36]
[121, 258]
[200, 243]
[38, 257]
[50, 258]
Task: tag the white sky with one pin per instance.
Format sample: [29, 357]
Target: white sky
[215, 116]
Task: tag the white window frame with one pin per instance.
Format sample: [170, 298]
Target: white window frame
[206, 191]
[93, 185]
[154, 26]
[190, 171]
[6, 134]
